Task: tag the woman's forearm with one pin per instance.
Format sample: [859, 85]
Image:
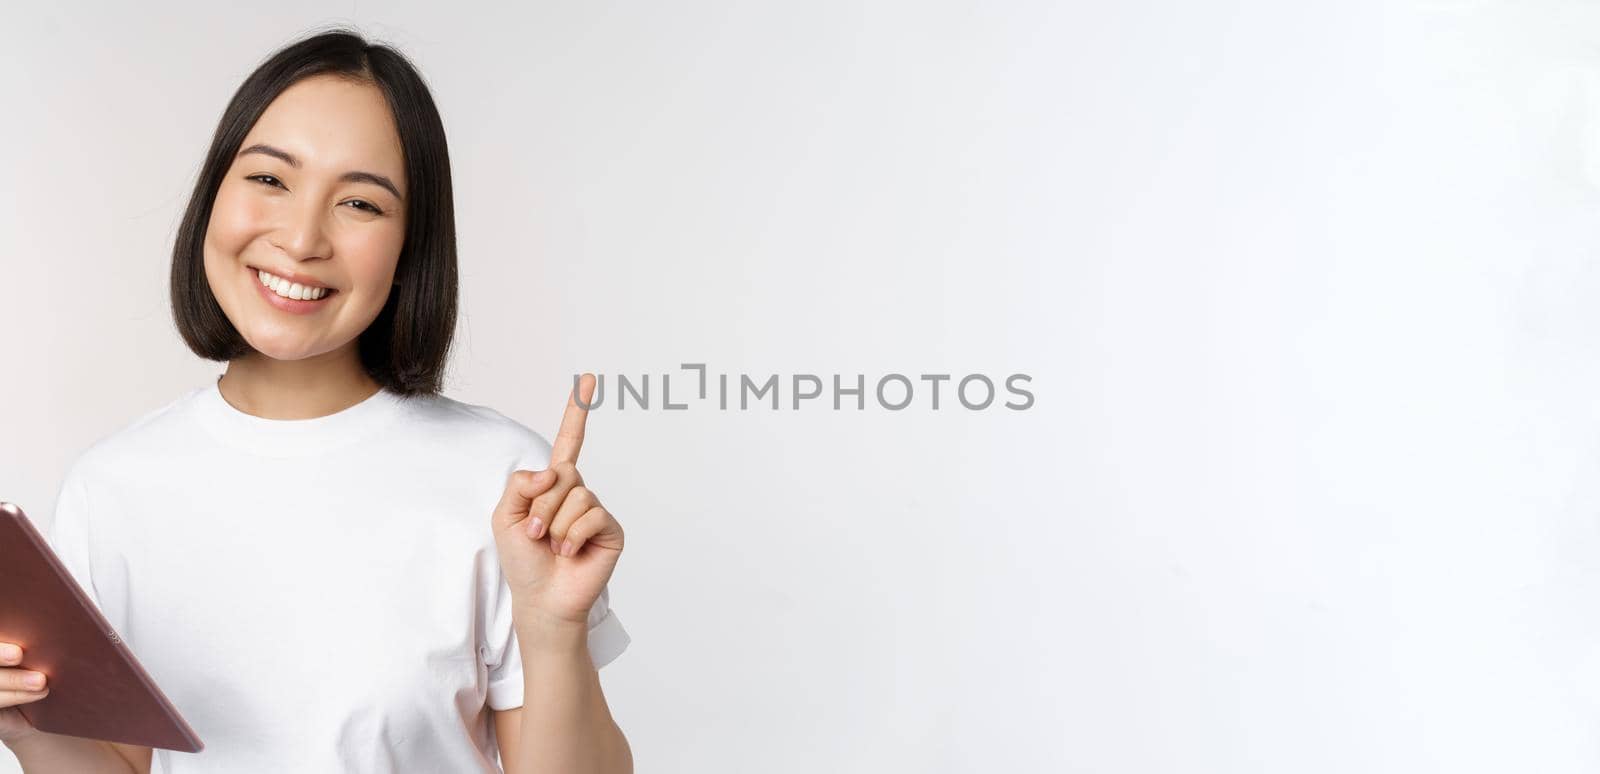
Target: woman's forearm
[566, 725]
[44, 753]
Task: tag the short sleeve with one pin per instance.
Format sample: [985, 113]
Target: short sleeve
[69, 535]
[607, 640]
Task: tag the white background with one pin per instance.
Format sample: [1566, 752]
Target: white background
[1306, 290]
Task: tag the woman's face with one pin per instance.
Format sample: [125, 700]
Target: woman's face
[307, 196]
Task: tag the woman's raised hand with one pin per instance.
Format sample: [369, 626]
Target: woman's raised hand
[16, 688]
[557, 544]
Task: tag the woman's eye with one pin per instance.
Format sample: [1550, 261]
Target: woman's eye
[370, 207]
[265, 180]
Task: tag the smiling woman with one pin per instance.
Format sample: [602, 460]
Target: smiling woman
[302, 191]
[396, 609]
[323, 203]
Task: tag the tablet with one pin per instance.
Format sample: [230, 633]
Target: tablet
[97, 688]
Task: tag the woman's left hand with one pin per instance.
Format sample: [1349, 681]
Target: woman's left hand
[557, 544]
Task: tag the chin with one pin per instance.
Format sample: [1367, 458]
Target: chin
[282, 347]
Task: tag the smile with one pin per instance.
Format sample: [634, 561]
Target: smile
[280, 293]
[290, 290]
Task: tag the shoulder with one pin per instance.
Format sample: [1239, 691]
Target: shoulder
[484, 429]
[135, 442]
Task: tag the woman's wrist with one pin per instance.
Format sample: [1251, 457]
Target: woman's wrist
[25, 734]
[44, 751]
[538, 629]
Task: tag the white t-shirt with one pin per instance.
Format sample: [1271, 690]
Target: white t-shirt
[313, 595]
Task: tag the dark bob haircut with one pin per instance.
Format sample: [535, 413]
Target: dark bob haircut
[406, 346]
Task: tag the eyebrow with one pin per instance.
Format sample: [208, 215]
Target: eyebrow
[354, 176]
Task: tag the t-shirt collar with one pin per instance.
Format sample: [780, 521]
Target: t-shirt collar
[294, 437]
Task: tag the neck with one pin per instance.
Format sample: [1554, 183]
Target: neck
[296, 389]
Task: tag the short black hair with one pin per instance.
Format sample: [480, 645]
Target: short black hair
[406, 346]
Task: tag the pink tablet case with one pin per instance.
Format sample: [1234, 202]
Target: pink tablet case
[97, 688]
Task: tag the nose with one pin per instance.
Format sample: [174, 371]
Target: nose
[303, 235]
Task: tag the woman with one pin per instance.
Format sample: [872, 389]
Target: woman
[300, 552]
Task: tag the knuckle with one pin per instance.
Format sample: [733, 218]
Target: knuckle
[545, 504]
[583, 495]
[565, 468]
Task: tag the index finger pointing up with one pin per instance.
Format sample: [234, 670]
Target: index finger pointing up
[569, 439]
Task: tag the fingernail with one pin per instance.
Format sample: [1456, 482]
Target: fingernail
[34, 681]
[566, 548]
[10, 652]
[535, 528]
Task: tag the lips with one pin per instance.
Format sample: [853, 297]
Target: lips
[295, 278]
[290, 305]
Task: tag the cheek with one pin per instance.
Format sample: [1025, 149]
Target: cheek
[235, 220]
[373, 252]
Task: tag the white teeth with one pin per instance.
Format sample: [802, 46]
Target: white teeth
[289, 289]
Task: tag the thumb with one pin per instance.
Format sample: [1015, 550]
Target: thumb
[522, 486]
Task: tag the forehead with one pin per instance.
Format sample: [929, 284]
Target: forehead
[334, 124]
